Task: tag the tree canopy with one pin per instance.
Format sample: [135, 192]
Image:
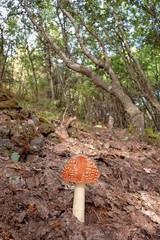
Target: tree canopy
[93, 58]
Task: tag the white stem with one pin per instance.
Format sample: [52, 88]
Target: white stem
[79, 201]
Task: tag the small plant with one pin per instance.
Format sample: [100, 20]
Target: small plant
[151, 134]
[130, 128]
[125, 138]
[15, 157]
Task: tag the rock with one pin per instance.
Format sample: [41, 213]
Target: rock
[4, 131]
[36, 144]
[8, 144]
[46, 129]
[29, 157]
[35, 119]
[5, 118]
[10, 103]
[31, 122]
[1, 141]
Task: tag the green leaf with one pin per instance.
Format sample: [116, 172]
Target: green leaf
[15, 157]
[125, 138]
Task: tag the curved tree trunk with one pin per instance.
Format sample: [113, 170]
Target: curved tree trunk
[114, 88]
[137, 118]
[134, 68]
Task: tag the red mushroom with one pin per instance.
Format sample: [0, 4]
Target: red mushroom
[80, 170]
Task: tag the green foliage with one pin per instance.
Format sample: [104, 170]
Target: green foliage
[46, 116]
[10, 103]
[76, 94]
[151, 134]
[15, 157]
[125, 139]
[130, 128]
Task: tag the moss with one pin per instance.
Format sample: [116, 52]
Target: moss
[46, 128]
[46, 117]
[44, 120]
[130, 128]
[9, 103]
[151, 134]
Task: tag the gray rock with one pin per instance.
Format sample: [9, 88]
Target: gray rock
[4, 131]
[36, 144]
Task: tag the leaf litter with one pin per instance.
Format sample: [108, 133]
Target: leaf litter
[37, 204]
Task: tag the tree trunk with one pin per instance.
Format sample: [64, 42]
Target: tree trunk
[3, 58]
[134, 69]
[34, 73]
[48, 66]
[114, 88]
[137, 118]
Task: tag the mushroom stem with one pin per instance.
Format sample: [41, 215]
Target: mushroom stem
[79, 201]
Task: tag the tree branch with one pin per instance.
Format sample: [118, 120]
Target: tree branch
[96, 61]
[69, 63]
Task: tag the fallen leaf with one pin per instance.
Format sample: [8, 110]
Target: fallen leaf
[15, 157]
[31, 208]
[55, 224]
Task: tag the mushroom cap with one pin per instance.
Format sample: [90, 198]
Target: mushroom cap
[80, 169]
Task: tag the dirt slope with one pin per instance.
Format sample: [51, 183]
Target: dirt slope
[36, 204]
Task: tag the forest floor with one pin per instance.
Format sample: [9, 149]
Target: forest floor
[35, 204]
